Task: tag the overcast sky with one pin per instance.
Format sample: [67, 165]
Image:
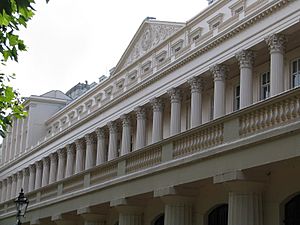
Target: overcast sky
[70, 41]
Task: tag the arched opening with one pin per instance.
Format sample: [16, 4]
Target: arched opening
[159, 220]
[219, 215]
[292, 211]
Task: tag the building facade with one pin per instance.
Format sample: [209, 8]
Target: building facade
[198, 124]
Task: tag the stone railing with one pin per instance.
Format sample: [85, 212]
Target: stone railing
[257, 119]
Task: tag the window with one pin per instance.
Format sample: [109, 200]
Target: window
[265, 86]
[292, 211]
[295, 73]
[159, 220]
[236, 100]
[218, 216]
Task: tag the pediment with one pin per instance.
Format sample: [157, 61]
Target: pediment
[149, 35]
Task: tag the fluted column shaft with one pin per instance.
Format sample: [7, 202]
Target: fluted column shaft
[32, 172]
[101, 147]
[19, 182]
[4, 190]
[53, 167]
[157, 124]
[276, 43]
[126, 134]
[140, 127]
[196, 101]
[113, 141]
[70, 159]
[38, 175]
[13, 139]
[3, 150]
[90, 151]
[18, 131]
[61, 164]
[175, 125]
[9, 187]
[79, 156]
[93, 219]
[245, 204]
[178, 211]
[129, 215]
[219, 74]
[8, 144]
[25, 180]
[13, 186]
[46, 168]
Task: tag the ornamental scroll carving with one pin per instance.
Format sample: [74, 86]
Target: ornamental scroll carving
[151, 36]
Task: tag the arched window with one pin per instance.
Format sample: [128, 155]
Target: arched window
[159, 220]
[292, 211]
[218, 216]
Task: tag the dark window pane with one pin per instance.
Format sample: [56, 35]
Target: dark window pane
[292, 211]
[219, 216]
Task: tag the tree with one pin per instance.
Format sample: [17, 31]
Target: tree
[14, 14]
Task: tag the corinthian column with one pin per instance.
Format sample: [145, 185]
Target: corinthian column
[130, 215]
[113, 141]
[61, 163]
[219, 74]
[90, 151]
[13, 186]
[101, 147]
[126, 134]
[4, 190]
[53, 167]
[25, 181]
[19, 182]
[196, 101]
[79, 155]
[8, 190]
[246, 60]
[38, 175]
[32, 172]
[157, 124]
[276, 43]
[140, 127]
[46, 169]
[70, 159]
[175, 126]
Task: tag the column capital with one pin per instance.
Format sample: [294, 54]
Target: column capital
[89, 139]
[100, 132]
[53, 156]
[20, 174]
[4, 182]
[32, 168]
[14, 177]
[25, 171]
[157, 104]
[39, 164]
[61, 153]
[79, 143]
[276, 42]
[196, 84]
[9, 180]
[112, 126]
[245, 58]
[219, 72]
[46, 161]
[70, 149]
[140, 112]
[126, 120]
[175, 95]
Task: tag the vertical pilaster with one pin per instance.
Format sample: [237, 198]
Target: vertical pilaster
[140, 127]
[13, 186]
[32, 172]
[17, 137]
[38, 174]
[246, 60]
[25, 181]
[3, 151]
[13, 139]
[61, 163]
[79, 155]
[101, 146]
[4, 190]
[196, 101]
[21, 135]
[157, 124]
[276, 43]
[175, 96]
[19, 182]
[219, 74]
[70, 159]
[8, 190]
[130, 215]
[90, 159]
[113, 141]
[126, 134]
[53, 167]
[46, 168]
[8, 144]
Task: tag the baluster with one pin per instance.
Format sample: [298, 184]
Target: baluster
[297, 106]
[287, 109]
[293, 103]
[242, 125]
[256, 125]
[252, 122]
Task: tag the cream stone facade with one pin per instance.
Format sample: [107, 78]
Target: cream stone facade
[198, 124]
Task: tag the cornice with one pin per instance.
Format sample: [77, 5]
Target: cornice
[189, 56]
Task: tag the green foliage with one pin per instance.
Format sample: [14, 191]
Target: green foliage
[14, 14]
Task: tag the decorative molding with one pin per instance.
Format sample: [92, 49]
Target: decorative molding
[195, 84]
[276, 42]
[126, 120]
[219, 72]
[140, 112]
[175, 95]
[245, 58]
[157, 104]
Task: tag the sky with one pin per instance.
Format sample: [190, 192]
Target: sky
[71, 41]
